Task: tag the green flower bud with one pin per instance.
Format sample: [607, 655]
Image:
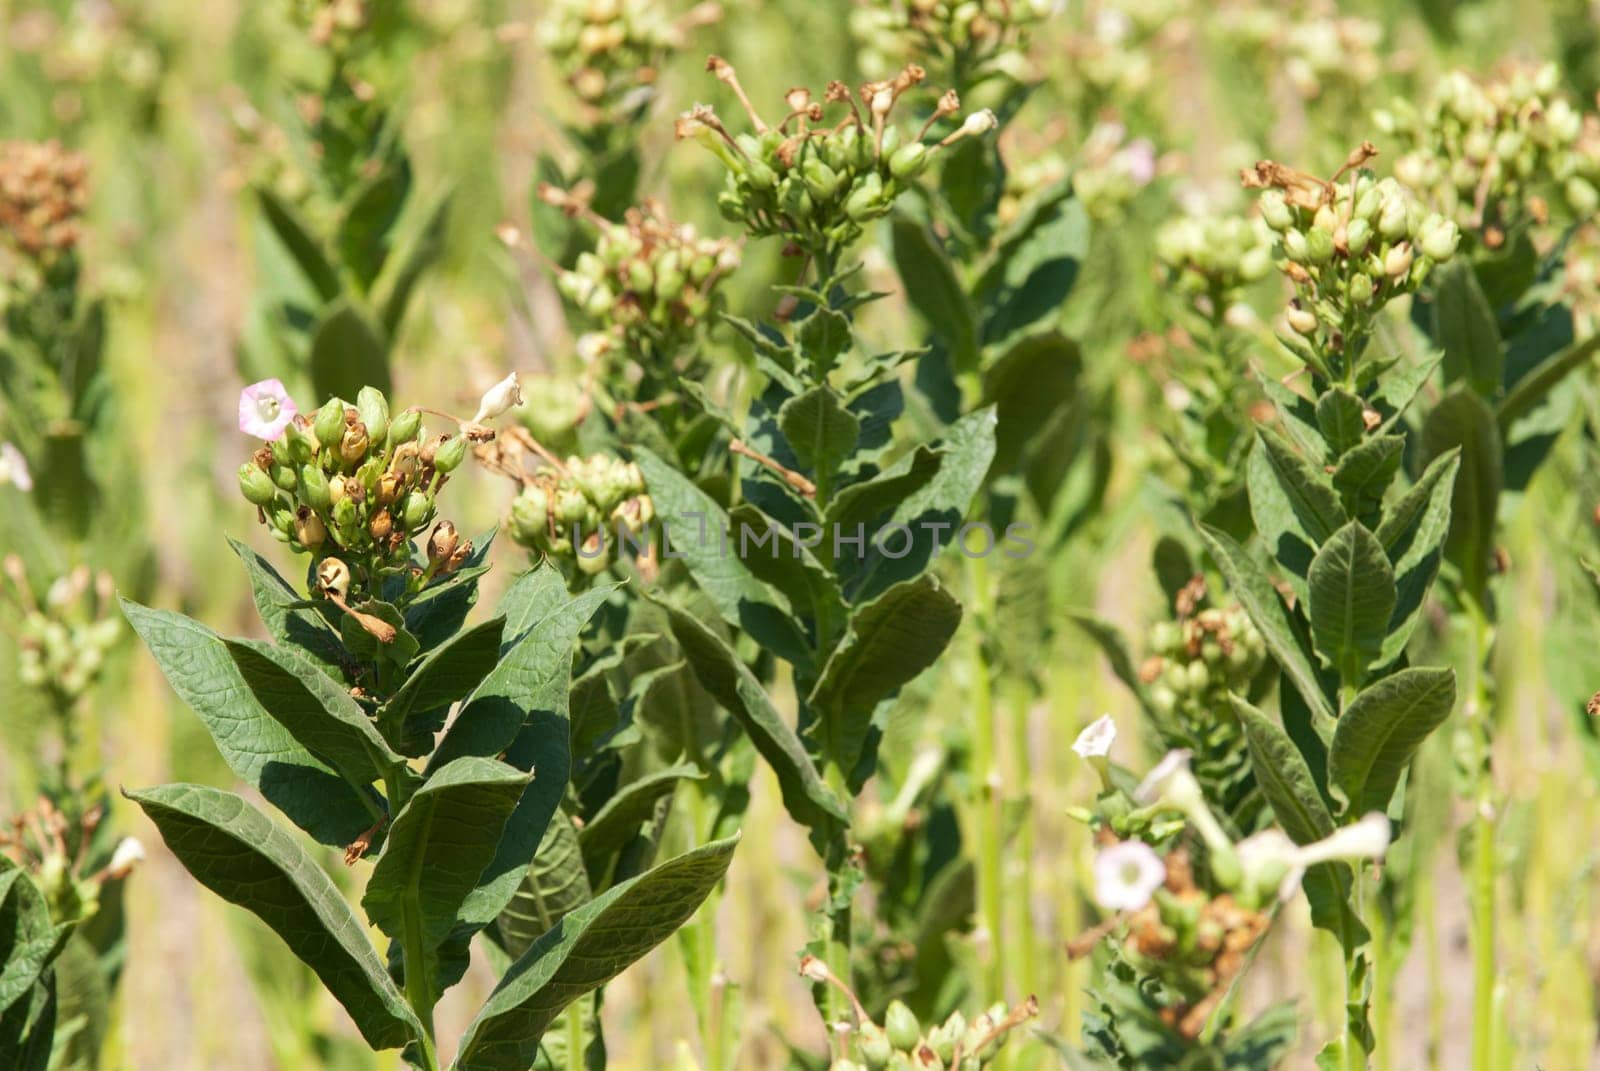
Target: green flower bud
[374, 410]
[1319, 246]
[874, 1046]
[530, 517]
[1276, 211]
[1302, 321]
[256, 485]
[594, 554]
[1439, 239]
[344, 515]
[314, 487]
[909, 161]
[415, 511]
[451, 452]
[900, 1023]
[284, 476]
[1296, 247]
[404, 427]
[866, 201]
[329, 423]
[822, 181]
[1356, 236]
[1361, 289]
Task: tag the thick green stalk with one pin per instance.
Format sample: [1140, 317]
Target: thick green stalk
[1482, 877]
[1355, 981]
[989, 824]
[419, 991]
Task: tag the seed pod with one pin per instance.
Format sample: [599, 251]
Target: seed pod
[414, 514]
[900, 1023]
[909, 161]
[404, 427]
[442, 543]
[450, 453]
[314, 487]
[257, 487]
[285, 477]
[333, 577]
[381, 525]
[353, 443]
[309, 531]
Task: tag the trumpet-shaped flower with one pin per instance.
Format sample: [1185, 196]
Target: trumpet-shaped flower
[1269, 858]
[1126, 875]
[128, 854]
[265, 409]
[1095, 741]
[499, 398]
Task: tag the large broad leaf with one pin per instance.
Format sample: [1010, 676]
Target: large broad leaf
[28, 1029]
[821, 432]
[374, 208]
[1534, 387]
[1291, 790]
[236, 852]
[256, 747]
[892, 639]
[1295, 507]
[720, 672]
[695, 524]
[1412, 533]
[1032, 270]
[1381, 729]
[935, 292]
[577, 1030]
[446, 674]
[347, 353]
[426, 247]
[306, 251]
[318, 713]
[1464, 326]
[439, 844]
[616, 823]
[862, 502]
[1341, 418]
[930, 517]
[1029, 384]
[1287, 643]
[28, 940]
[823, 336]
[532, 597]
[1462, 419]
[287, 621]
[589, 947]
[1350, 597]
[1365, 472]
[555, 884]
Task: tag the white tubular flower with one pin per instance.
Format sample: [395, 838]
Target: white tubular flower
[1096, 740]
[979, 122]
[1270, 858]
[1126, 875]
[498, 398]
[129, 853]
[1172, 785]
[1367, 838]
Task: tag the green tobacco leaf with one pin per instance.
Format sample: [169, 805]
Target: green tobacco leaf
[446, 674]
[255, 745]
[276, 601]
[365, 232]
[1032, 271]
[318, 713]
[619, 820]
[1365, 472]
[236, 852]
[861, 503]
[28, 940]
[1380, 731]
[967, 451]
[556, 883]
[1299, 417]
[819, 430]
[347, 353]
[1350, 597]
[694, 523]
[1412, 533]
[773, 554]
[1288, 644]
[1029, 384]
[394, 294]
[439, 844]
[29, 1032]
[720, 672]
[1465, 328]
[1534, 387]
[589, 947]
[1341, 417]
[305, 250]
[1462, 419]
[934, 291]
[532, 597]
[823, 336]
[1294, 506]
[891, 641]
[577, 1028]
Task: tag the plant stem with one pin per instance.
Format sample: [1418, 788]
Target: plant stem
[419, 993]
[989, 831]
[1482, 877]
[1355, 1053]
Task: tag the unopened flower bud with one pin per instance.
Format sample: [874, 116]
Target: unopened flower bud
[908, 161]
[1303, 321]
[374, 410]
[414, 513]
[1398, 260]
[449, 454]
[403, 428]
[900, 1023]
[1275, 210]
[329, 424]
[128, 854]
[314, 487]
[257, 486]
[1439, 239]
[1361, 289]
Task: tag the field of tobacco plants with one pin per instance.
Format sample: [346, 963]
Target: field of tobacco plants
[821, 535]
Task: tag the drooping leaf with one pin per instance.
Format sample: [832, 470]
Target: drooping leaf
[1412, 533]
[1380, 731]
[614, 824]
[821, 432]
[444, 675]
[588, 948]
[306, 252]
[1464, 326]
[1029, 384]
[287, 622]
[1295, 507]
[934, 291]
[256, 747]
[347, 353]
[236, 852]
[555, 884]
[1462, 419]
[28, 939]
[1350, 597]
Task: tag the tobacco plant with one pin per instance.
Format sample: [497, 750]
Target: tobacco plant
[342, 721]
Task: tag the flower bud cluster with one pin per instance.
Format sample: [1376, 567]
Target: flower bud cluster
[610, 52]
[1494, 155]
[58, 851]
[44, 189]
[1112, 169]
[816, 184]
[1349, 245]
[901, 1044]
[1318, 53]
[974, 36]
[353, 483]
[650, 281]
[64, 637]
[582, 510]
[1214, 255]
[1196, 662]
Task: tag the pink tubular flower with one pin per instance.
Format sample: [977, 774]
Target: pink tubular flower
[265, 409]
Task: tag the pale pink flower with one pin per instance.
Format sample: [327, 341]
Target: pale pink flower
[265, 409]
